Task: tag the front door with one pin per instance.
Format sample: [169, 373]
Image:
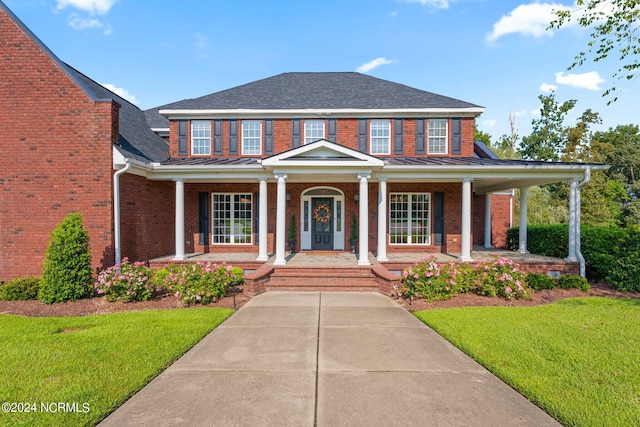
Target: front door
[322, 223]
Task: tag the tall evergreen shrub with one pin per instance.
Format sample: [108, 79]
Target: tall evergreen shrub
[67, 272]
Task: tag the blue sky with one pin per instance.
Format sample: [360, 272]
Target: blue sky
[494, 53]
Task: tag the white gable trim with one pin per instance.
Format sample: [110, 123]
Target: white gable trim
[329, 154]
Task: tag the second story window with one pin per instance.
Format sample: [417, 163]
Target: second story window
[313, 130]
[251, 137]
[437, 136]
[380, 137]
[200, 137]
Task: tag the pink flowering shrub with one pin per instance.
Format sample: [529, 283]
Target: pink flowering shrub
[200, 283]
[436, 281]
[125, 282]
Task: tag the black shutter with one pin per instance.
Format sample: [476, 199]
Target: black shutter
[268, 137]
[363, 135]
[295, 133]
[398, 136]
[333, 130]
[456, 136]
[438, 219]
[420, 146]
[233, 137]
[203, 218]
[217, 137]
[183, 127]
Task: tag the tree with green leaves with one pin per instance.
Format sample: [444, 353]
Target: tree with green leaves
[614, 27]
[548, 138]
[67, 274]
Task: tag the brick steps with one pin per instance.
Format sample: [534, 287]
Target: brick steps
[322, 279]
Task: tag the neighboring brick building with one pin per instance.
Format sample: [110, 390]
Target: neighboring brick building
[225, 172]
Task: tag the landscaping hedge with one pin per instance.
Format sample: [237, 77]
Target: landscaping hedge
[610, 254]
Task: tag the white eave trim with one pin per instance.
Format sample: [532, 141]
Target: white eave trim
[333, 112]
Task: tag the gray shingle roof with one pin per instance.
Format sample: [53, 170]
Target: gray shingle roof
[334, 90]
[155, 120]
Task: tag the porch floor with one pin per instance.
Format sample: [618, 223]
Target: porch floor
[346, 259]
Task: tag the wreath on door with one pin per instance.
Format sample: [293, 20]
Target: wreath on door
[322, 213]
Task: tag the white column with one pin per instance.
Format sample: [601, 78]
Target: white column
[487, 221]
[573, 190]
[466, 220]
[363, 230]
[281, 221]
[262, 234]
[523, 221]
[382, 219]
[179, 220]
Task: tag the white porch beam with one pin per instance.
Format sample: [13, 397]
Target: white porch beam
[363, 230]
[487, 221]
[382, 219]
[466, 220]
[179, 256]
[281, 221]
[262, 233]
[523, 220]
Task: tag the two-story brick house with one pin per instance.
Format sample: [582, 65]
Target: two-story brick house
[225, 172]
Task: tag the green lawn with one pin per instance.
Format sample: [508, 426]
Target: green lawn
[91, 364]
[578, 359]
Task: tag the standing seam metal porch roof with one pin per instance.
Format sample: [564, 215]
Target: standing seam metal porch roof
[324, 90]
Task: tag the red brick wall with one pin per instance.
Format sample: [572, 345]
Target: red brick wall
[500, 219]
[56, 156]
[147, 211]
[347, 135]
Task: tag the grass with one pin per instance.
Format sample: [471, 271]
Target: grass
[578, 359]
[97, 361]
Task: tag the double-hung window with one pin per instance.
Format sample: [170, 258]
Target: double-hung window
[251, 137]
[232, 218]
[200, 137]
[380, 136]
[437, 136]
[313, 130]
[410, 218]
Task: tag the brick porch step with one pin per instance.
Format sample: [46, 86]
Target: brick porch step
[322, 279]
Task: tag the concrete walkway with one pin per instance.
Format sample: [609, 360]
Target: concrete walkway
[326, 359]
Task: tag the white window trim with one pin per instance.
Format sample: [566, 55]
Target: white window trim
[244, 138]
[409, 219]
[446, 136]
[309, 139]
[371, 137]
[194, 138]
[232, 235]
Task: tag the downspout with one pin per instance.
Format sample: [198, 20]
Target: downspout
[587, 178]
[116, 210]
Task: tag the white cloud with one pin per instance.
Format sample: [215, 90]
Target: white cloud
[440, 4]
[535, 113]
[490, 123]
[78, 23]
[365, 68]
[123, 93]
[527, 19]
[520, 113]
[92, 6]
[590, 80]
[547, 87]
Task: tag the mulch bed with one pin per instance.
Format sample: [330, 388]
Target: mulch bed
[101, 305]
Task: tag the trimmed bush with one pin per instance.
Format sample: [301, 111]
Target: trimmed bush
[200, 283]
[67, 274]
[126, 282]
[20, 289]
[570, 281]
[538, 281]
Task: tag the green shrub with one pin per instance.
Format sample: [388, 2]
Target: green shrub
[126, 282]
[67, 272]
[500, 277]
[238, 276]
[199, 283]
[571, 281]
[20, 289]
[538, 281]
